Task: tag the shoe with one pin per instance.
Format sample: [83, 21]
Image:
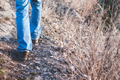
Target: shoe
[35, 42]
[22, 56]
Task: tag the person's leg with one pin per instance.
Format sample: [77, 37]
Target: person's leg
[100, 1]
[23, 26]
[35, 19]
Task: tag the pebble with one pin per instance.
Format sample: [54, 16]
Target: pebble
[38, 77]
[45, 69]
[37, 62]
[45, 73]
[38, 68]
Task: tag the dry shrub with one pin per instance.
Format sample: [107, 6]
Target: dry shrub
[110, 13]
[94, 55]
[90, 53]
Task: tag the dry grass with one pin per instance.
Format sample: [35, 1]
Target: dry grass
[92, 49]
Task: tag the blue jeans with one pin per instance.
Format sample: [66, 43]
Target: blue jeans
[100, 1]
[27, 29]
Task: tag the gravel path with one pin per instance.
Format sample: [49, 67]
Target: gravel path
[44, 62]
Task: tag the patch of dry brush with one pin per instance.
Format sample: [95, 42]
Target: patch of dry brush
[92, 50]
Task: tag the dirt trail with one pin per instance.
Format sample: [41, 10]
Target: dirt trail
[43, 63]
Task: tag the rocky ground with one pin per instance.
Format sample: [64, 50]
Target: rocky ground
[43, 63]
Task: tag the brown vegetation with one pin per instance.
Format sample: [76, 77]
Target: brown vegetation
[92, 43]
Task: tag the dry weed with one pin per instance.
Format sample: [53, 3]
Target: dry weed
[91, 53]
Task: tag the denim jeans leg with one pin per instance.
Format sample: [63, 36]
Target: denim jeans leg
[100, 1]
[35, 18]
[23, 26]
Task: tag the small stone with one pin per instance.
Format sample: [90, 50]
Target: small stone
[37, 62]
[72, 68]
[23, 65]
[45, 69]
[45, 73]
[37, 68]
[38, 78]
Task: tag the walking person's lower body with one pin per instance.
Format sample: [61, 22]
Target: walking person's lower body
[27, 29]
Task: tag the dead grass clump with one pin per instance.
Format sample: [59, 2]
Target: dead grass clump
[91, 52]
[111, 12]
